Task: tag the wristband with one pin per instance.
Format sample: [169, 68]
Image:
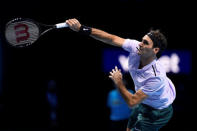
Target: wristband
[84, 30]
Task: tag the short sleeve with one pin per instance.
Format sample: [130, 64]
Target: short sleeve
[130, 45]
[152, 86]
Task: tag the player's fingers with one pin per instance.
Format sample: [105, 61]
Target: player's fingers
[110, 77]
[75, 24]
[71, 21]
[75, 21]
[116, 68]
[68, 22]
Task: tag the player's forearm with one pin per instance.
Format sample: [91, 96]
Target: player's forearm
[127, 96]
[95, 33]
[106, 37]
[102, 36]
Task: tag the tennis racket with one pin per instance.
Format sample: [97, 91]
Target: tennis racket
[22, 32]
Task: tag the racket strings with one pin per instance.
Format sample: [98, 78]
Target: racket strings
[21, 33]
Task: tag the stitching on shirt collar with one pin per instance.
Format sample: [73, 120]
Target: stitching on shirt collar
[154, 70]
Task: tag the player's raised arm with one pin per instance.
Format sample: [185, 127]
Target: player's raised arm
[97, 34]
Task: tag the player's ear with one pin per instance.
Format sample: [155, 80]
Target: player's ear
[156, 50]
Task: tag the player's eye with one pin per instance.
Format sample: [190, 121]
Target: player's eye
[145, 42]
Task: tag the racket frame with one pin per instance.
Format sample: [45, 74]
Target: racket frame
[41, 30]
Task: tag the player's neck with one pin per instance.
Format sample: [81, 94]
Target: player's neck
[145, 61]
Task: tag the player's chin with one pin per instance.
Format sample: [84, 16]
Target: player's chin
[139, 53]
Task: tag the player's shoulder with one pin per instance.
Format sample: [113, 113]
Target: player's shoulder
[160, 68]
[130, 45]
[131, 41]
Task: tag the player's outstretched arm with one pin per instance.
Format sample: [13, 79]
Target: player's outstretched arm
[97, 34]
[106, 37]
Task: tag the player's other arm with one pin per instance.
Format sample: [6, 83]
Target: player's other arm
[131, 99]
[97, 34]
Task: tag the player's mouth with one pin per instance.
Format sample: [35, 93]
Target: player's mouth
[139, 50]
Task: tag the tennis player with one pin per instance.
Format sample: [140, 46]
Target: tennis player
[155, 92]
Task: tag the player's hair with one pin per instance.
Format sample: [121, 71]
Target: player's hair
[159, 40]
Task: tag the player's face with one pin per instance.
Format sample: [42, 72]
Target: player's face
[146, 47]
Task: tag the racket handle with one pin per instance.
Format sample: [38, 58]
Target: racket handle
[61, 25]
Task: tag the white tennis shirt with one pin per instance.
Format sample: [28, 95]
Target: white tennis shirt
[151, 79]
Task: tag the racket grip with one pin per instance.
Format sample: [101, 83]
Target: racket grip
[61, 25]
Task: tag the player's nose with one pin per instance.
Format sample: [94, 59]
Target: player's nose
[141, 44]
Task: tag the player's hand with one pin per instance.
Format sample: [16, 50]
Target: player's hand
[73, 24]
[116, 76]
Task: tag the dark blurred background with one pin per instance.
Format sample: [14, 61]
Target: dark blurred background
[74, 61]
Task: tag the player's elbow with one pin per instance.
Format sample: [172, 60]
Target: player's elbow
[107, 38]
[132, 104]
[111, 39]
[117, 41]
